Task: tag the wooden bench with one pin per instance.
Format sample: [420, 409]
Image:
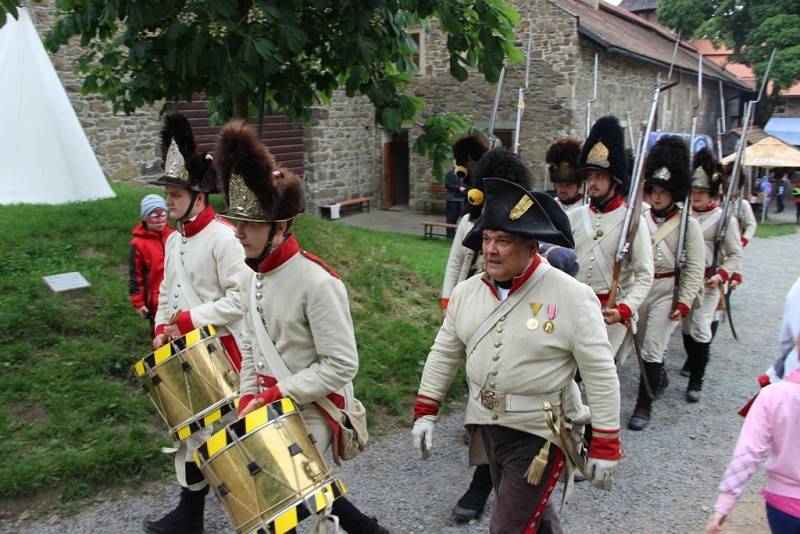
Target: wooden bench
[362, 203]
[428, 227]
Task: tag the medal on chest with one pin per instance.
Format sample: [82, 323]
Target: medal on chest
[533, 322]
[550, 325]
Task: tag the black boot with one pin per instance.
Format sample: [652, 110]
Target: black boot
[353, 520]
[688, 343]
[641, 414]
[698, 369]
[470, 505]
[186, 518]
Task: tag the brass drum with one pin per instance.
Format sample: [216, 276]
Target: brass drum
[267, 471]
[191, 381]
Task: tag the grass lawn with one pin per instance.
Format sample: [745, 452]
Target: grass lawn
[775, 230]
[74, 419]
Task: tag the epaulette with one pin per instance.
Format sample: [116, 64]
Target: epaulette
[321, 263]
[225, 221]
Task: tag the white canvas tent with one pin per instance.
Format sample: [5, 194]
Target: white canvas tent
[45, 156]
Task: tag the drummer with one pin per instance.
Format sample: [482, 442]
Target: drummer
[202, 264]
[307, 315]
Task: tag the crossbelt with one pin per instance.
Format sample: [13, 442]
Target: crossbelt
[513, 402]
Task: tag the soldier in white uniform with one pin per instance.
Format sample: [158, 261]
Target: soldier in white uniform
[562, 163]
[202, 265]
[462, 262]
[667, 181]
[523, 328]
[597, 228]
[305, 320]
[706, 181]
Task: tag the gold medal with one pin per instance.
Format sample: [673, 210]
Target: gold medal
[597, 234]
[549, 326]
[532, 324]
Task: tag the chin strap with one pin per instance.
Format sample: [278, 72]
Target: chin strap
[182, 219]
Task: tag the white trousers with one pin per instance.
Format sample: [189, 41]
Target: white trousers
[698, 324]
[654, 327]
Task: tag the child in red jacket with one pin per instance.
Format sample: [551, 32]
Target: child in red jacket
[146, 258]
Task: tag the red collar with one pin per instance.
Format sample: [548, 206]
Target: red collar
[611, 205]
[202, 220]
[518, 281]
[711, 207]
[278, 257]
[670, 214]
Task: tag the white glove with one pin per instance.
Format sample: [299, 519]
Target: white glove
[601, 472]
[422, 435]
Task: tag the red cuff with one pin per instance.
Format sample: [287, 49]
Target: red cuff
[271, 395]
[625, 311]
[605, 445]
[425, 406]
[244, 400]
[683, 309]
[443, 303]
[184, 322]
[723, 274]
[159, 329]
[737, 277]
[137, 301]
[745, 241]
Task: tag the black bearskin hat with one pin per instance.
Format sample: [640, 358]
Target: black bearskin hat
[706, 172]
[604, 149]
[466, 150]
[562, 158]
[668, 167]
[183, 166]
[254, 190]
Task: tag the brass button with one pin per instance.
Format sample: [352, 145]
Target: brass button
[492, 385]
[503, 318]
[495, 417]
[497, 344]
[259, 285]
[495, 358]
[258, 295]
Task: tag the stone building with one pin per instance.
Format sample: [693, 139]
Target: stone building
[343, 154]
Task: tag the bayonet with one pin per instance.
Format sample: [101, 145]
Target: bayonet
[521, 92]
[726, 201]
[680, 262]
[492, 139]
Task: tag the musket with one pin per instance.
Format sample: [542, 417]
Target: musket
[630, 224]
[589, 103]
[681, 250]
[726, 202]
[521, 92]
[492, 139]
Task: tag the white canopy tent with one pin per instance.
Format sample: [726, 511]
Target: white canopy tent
[45, 157]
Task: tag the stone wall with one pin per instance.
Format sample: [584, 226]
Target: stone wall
[547, 113]
[343, 152]
[791, 107]
[625, 87]
[125, 146]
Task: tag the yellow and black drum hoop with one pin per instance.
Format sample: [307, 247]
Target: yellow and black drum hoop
[167, 350]
[206, 420]
[313, 503]
[222, 440]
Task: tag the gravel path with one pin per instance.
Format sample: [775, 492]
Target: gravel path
[667, 482]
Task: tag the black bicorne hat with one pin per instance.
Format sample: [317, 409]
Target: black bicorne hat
[604, 150]
[513, 209]
[668, 167]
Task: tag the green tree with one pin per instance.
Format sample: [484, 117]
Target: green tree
[8, 7]
[286, 55]
[752, 29]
